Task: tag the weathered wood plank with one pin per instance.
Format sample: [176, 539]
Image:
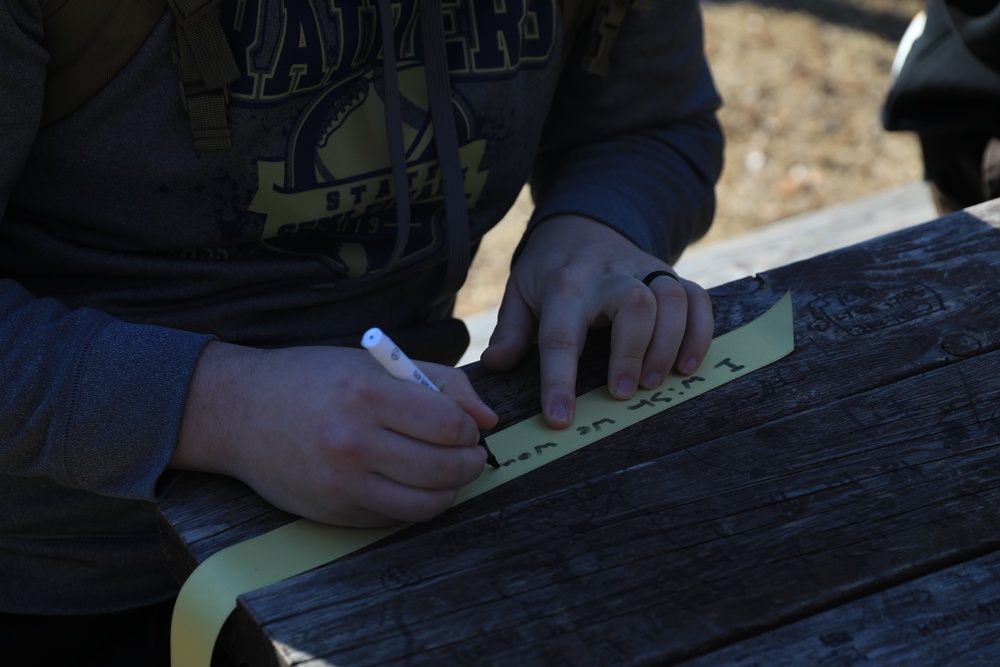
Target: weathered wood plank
[211, 512]
[687, 553]
[806, 235]
[988, 212]
[944, 619]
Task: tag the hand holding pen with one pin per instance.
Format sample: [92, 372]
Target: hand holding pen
[323, 432]
[402, 367]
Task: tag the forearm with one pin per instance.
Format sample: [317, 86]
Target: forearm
[90, 401]
[641, 148]
[656, 187]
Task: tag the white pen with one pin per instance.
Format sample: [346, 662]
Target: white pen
[395, 361]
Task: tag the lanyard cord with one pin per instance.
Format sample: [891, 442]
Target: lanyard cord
[445, 139]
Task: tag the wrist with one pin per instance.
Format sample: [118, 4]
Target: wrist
[216, 409]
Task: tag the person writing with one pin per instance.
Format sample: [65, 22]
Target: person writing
[185, 277]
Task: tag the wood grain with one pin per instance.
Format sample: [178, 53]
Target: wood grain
[680, 555]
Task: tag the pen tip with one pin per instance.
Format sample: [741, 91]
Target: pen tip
[490, 456]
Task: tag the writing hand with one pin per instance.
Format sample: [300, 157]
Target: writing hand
[328, 434]
[575, 273]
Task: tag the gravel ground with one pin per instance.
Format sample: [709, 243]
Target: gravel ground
[802, 83]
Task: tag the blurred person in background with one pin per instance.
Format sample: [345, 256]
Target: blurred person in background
[946, 89]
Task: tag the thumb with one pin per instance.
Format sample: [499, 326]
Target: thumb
[513, 334]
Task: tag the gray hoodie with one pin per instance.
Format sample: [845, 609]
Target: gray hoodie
[123, 250]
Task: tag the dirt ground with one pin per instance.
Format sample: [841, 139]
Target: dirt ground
[802, 83]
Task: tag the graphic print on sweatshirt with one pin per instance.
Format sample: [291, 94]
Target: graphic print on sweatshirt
[331, 194]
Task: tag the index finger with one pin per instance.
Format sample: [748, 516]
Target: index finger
[562, 331]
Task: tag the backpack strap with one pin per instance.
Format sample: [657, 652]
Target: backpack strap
[574, 14]
[206, 66]
[605, 18]
[90, 41]
[88, 44]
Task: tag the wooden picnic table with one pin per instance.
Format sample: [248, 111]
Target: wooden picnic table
[839, 506]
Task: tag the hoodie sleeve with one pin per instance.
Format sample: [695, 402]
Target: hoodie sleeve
[88, 401]
[639, 149]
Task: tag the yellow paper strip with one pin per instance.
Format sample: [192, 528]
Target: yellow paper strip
[209, 595]
[532, 443]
